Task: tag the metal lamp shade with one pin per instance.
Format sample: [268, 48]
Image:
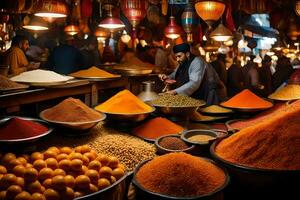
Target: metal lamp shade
[51, 9]
[221, 34]
[111, 23]
[36, 24]
[210, 10]
[71, 29]
[134, 10]
[172, 31]
[189, 21]
[297, 8]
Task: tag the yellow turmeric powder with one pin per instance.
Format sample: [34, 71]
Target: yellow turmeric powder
[124, 102]
[93, 72]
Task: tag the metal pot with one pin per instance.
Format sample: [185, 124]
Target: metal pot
[148, 94]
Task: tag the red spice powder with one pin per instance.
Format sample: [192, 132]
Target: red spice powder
[273, 143]
[173, 143]
[180, 175]
[17, 128]
[157, 127]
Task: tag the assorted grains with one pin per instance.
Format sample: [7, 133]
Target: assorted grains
[71, 110]
[247, 100]
[173, 143]
[58, 173]
[6, 84]
[178, 100]
[215, 109]
[201, 138]
[128, 149]
[40, 76]
[124, 102]
[180, 175]
[157, 127]
[273, 143]
[289, 92]
[93, 72]
[196, 116]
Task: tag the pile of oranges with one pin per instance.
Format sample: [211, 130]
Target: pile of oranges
[58, 173]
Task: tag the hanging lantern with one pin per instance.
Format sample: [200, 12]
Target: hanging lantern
[125, 38]
[189, 21]
[101, 34]
[111, 23]
[51, 9]
[71, 29]
[134, 10]
[173, 31]
[221, 34]
[297, 8]
[36, 24]
[210, 10]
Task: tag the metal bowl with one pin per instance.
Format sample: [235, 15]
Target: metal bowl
[29, 139]
[177, 111]
[145, 194]
[116, 191]
[80, 126]
[162, 150]
[274, 183]
[128, 117]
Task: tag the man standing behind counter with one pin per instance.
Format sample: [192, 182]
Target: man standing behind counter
[194, 77]
[15, 57]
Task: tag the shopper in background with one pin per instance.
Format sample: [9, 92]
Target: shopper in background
[235, 81]
[265, 76]
[15, 57]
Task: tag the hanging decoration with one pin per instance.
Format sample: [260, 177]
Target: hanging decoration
[297, 8]
[189, 21]
[51, 9]
[36, 24]
[71, 29]
[164, 7]
[229, 19]
[210, 10]
[221, 34]
[172, 31]
[135, 11]
[125, 38]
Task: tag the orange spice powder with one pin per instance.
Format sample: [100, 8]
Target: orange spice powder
[157, 127]
[247, 99]
[273, 143]
[72, 110]
[124, 102]
[93, 72]
[180, 175]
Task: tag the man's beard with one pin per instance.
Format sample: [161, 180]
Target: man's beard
[184, 62]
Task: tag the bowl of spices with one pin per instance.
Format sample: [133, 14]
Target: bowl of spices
[176, 105]
[126, 107]
[72, 114]
[199, 136]
[172, 143]
[16, 130]
[179, 176]
[155, 128]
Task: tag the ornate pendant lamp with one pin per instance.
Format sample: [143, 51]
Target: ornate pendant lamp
[135, 11]
[189, 21]
[297, 8]
[221, 34]
[111, 23]
[71, 29]
[51, 9]
[36, 24]
[172, 31]
[210, 10]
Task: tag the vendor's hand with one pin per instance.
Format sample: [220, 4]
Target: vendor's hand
[170, 81]
[162, 77]
[33, 65]
[172, 92]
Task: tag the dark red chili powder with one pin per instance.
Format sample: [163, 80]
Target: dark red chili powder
[17, 128]
[173, 143]
[180, 175]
